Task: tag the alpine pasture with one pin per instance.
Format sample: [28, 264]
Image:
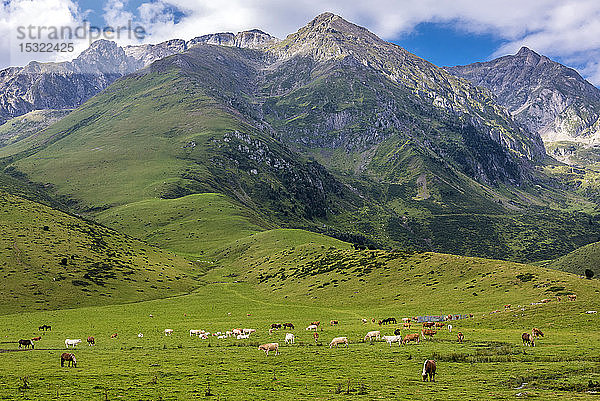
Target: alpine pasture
[248, 291]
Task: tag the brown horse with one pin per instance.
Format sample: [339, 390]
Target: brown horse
[66, 356]
[429, 369]
[528, 339]
[535, 332]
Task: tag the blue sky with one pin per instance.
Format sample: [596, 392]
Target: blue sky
[445, 32]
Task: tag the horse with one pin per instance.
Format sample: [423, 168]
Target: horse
[66, 356]
[429, 369]
[91, 341]
[45, 327]
[535, 332]
[26, 343]
[288, 325]
[528, 339]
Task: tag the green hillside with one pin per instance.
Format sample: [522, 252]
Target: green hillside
[19, 128]
[52, 260]
[576, 262]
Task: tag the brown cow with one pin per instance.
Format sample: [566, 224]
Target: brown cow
[440, 324]
[270, 347]
[572, 297]
[316, 336]
[461, 337]
[507, 306]
[91, 341]
[316, 323]
[528, 339]
[113, 335]
[66, 356]
[535, 332]
[429, 369]
[411, 337]
[428, 324]
[36, 338]
[428, 333]
[407, 325]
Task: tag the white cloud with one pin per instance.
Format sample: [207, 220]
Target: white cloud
[563, 29]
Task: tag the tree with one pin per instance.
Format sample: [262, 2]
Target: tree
[589, 274]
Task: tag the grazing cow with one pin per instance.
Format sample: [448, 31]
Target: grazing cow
[114, 335]
[276, 326]
[406, 319]
[288, 326]
[140, 335]
[461, 337]
[439, 324]
[406, 325]
[337, 341]
[66, 356]
[372, 334]
[45, 327]
[373, 320]
[194, 332]
[572, 297]
[411, 337]
[388, 320]
[236, 332]
[91, 341]
[392, 339]
[72, 343]
[36, 338]
[289, 338]
[242, 336]
[429, 369]
[26, 343]
[507, 306]
[450, 328]
[428, 333]
[312, 327]
[428, 324]
[364, 321]
[528, 340]
[316, 323]
[270, 347]
[535, 332]
[168, 332]
[248, 331]
[397, 332]
[334, 322]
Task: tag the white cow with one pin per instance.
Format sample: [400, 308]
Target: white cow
[235, 332]
[72, 343]
[140, 335]
[168, 332]
[243, 336]
[270, 347]
[373, 334]
[289, 338]
[249, 331]
[195, 332]
[312, 327]
[337, 341]
[221, 337]
[392, 339]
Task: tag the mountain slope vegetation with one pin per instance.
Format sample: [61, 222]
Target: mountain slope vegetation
[52, 260]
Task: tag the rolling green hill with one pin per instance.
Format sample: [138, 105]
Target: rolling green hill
[576, 262]
[52, 260]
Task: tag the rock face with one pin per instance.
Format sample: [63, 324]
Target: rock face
[543, 95]
[67, 85]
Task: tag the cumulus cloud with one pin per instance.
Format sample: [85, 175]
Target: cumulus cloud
[568, 30]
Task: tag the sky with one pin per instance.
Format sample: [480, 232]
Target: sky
[445, 32]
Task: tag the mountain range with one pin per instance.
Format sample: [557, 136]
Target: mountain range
[187, 145]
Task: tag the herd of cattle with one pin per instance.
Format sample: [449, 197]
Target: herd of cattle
[428, 330]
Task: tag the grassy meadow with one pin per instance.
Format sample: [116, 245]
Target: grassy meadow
[238, 292]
